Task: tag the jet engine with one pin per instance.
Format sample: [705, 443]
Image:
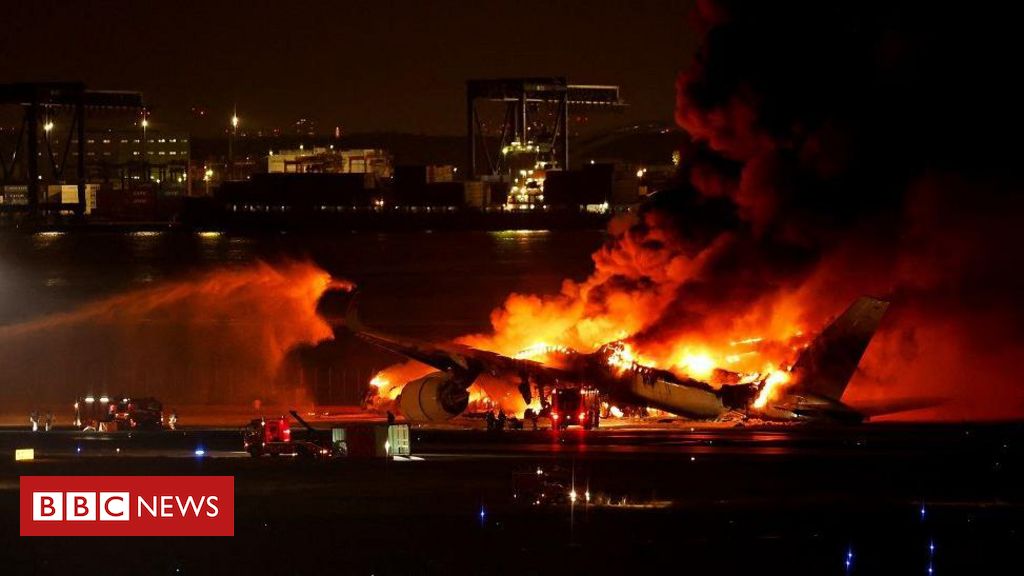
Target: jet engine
[437, 397]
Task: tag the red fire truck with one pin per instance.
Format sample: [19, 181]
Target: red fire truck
[273, 437]
[575, 406]
[111, 414]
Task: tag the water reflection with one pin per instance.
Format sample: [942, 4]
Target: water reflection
[42, 240]
[555, 486]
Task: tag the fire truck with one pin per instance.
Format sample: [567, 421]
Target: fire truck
[575, 406]
[273, 437]
[112, 414]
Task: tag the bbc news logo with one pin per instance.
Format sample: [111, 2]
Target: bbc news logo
[127, 506]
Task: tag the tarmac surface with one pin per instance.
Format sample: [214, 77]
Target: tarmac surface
[892, 499]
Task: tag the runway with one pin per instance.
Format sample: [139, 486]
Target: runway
[722, 500]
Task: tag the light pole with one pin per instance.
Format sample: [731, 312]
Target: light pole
[231, 145]
[47, 128]
[145, 159]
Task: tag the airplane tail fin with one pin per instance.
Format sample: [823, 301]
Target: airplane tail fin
[825, 367]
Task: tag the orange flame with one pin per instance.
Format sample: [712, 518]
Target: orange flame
[770, 390]
[621, 308]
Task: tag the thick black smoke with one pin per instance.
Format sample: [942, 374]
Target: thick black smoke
[842, 148]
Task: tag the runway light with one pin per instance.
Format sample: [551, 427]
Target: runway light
[200, 452]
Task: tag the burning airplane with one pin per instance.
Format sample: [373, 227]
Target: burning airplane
[809, 390]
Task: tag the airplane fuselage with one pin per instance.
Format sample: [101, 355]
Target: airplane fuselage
[645, 386]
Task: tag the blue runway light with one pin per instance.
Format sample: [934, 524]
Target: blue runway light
[200, 452]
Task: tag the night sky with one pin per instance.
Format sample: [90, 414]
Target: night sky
[366, 66]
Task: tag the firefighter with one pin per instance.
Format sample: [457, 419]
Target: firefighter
[391, 418]
[49, 421]
[172, 422]
[501, 419]
[490, 420]
[34, 419]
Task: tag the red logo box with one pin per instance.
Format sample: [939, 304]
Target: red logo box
[127, 506]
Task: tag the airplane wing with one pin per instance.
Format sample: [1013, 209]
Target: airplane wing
[458, 358]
